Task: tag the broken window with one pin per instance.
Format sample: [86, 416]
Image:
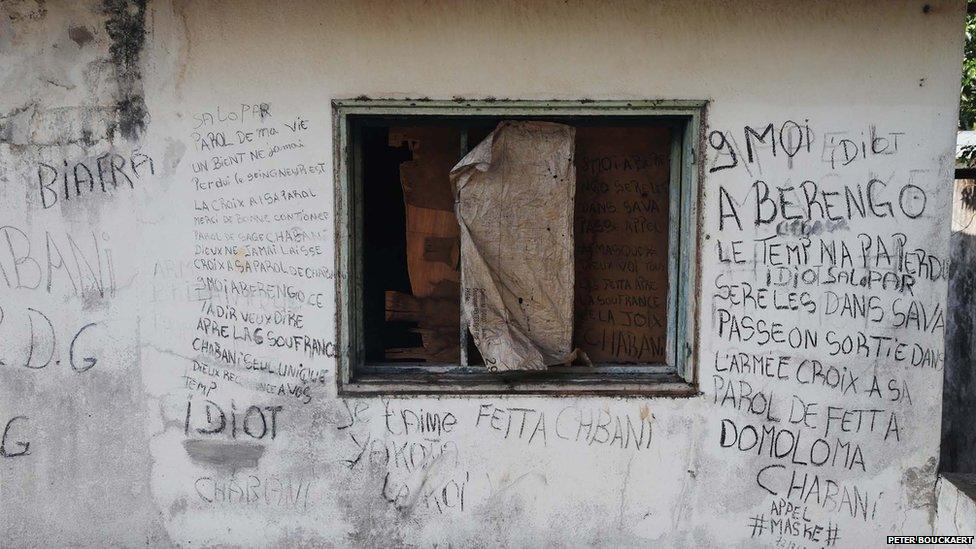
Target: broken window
[524, 250]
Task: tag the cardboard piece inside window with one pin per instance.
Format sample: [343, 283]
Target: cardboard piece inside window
[623, 184]
[514, 200]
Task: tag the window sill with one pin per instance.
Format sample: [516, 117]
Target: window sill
[643, 385]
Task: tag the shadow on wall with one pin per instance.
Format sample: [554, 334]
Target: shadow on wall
[958, 453]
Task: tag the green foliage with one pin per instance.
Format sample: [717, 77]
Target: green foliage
[967, 100]
[967, 94]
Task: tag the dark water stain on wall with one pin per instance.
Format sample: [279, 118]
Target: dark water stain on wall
[126, 26]
[80, 35]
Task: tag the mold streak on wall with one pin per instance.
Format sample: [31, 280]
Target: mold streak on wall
[168, 267]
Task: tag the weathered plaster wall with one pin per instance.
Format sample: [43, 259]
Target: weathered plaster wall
[106, 295]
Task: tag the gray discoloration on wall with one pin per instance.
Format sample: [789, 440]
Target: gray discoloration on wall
[6, 32]
[15, 125]
[234, 455]
[125, 25]
[80, 35]
[919, 484]
[95, 86]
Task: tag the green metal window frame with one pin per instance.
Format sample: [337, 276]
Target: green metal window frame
[677, 377]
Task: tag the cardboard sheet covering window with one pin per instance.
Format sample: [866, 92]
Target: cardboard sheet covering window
[514, 200]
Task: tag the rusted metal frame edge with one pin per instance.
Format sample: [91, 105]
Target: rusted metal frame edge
[340, 235]
[347, 245]
[690, 245]
[696, 242]
[675, 189]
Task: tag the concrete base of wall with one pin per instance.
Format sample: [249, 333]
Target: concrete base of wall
[956, 512]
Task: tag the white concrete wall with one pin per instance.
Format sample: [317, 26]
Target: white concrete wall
[956, 508]
[112, 459]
